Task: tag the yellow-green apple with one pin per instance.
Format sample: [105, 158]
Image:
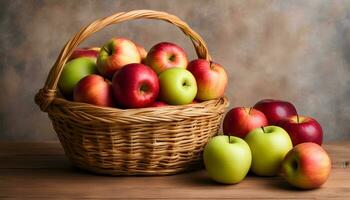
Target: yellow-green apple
[306, 166]
[72, 72]
[158, 104]
[240, 121]
[275, 110]
[89, 52]
[143, 53]
[135, 86]
[302, 129]
[211, 79]
[166, 55]
[115, 54]
[227, 159]
[177, 86]
[269, 146]
[94, 89]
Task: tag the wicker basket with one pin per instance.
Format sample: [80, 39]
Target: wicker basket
[146, 141]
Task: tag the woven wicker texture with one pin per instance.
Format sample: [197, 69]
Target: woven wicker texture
[146, 141]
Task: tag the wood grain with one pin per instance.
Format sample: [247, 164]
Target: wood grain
[41, 171]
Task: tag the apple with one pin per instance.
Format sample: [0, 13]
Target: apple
[177, 86]
[275, 110]
[135, 86]
[158, 104]
[166, 55]
[94, 89]
[240, 121]
[269, 146]
[115, 54]
[302, 129]
[91, 52]
[306, 166]
[211, 79]
[73, 72]
[143, 53]
[227, 159]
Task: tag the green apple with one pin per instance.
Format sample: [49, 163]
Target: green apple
[269, 146]
[73, 72]
[227, 159]
[177, 86]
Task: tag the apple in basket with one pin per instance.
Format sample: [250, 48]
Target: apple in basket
[115, 54]
[166, 55]
[177, 86]
[73, 72]
[89, 52]
[135, 86]
[211, 79]
[94, 89]
[143, 53]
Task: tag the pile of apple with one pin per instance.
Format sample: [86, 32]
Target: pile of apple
[269, 139]
[122, 74]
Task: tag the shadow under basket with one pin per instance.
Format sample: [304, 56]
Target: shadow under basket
[146, 141]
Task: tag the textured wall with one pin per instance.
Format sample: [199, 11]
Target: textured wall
[293, 50]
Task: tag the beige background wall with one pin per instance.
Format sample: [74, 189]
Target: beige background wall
[293, 50]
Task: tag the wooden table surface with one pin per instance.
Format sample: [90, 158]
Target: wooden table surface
[41, 171]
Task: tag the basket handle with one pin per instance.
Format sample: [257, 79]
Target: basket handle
[47, 94]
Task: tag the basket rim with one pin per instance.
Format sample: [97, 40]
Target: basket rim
[85, 113]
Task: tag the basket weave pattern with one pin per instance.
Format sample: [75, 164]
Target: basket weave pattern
[146, 141]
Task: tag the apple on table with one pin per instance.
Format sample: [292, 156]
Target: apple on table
[240, 121]
[211, 79]
[135, 86]
[115, 54]
[306, 166]
[269, 145]
[302, 129]
[227, 159]
[166, 55]
[275, 110]
[177, 86]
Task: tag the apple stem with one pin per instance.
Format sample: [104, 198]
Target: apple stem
[263, 129]
[298, 118]
[250, 109]
[229, 139]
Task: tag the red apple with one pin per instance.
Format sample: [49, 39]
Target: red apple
[211, 79]
[302, 129]
[240, 121]
[306, 166]
[143, 53]
[89, 52]
[158, 104]
[135, 86]
[94, 89]
[115, 54]
[166, 55]
[275, 110]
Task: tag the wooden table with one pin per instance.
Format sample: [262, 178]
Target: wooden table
[41, 171]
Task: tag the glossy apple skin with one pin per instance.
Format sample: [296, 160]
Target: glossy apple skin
[143, 54]
[275, 110]
[73, 71]
[94, 89]
[211, 79]
[158, 104]
[177, 86]
[135, 86]
[85, 52]
[306, 166]
[227, 159]
[240, 121]
[269, 146]
[302, 129]
[166, 55]
[115, 54]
